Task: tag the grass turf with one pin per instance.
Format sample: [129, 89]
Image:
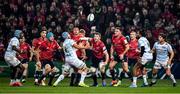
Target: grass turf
[163, 86]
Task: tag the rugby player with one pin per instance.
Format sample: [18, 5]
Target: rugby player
[12, 60]
[24, 57]
[118, 51]
[143, 59]
[36, 52]
[164, 56]
[48, 49]
[71, 59]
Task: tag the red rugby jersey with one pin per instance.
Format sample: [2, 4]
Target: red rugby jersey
[133, 53]
[25, 47]
[38, 41]
[76, 38]
[47, 50]
[98, 48]
[119, 44]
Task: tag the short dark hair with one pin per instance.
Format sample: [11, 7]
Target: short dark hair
[82, 31]
[141, 32]
[97, 33]
[119, 28]
[163, 35]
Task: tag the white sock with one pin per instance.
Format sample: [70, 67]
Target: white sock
[44, 78]
[12, 80]
[83, 75]
[36, 80]
[154, 78]
[134, 80]
[145, 80]
[60, 78]
[172, 77]
[17, 80]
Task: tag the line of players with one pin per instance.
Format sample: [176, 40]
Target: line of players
[136, 51]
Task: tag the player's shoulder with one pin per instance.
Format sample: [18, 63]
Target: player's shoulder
[54, 41]
[102, 43]
[35, 40]
[69, 41]
[27, 44]
[168, 44]
[142, 39]
[156, 43]
[14, 39]
[123, 37]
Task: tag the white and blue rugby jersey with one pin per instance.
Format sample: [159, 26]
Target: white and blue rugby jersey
[144, 42]
[162, 51]
[68, 48]
[13, 42]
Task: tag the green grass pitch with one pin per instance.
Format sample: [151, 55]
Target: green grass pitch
[163, 86]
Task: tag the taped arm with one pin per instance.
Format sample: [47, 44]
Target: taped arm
[142, 51]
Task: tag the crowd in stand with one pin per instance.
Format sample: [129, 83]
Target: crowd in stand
[57, 16]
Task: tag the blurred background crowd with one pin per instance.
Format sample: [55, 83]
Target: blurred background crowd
[57, 16]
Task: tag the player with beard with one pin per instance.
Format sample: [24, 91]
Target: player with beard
[118, 51]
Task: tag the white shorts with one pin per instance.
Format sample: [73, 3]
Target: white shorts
[147, 57]
[12, 61]
[160, 64]
[66, 68]
[73, 63]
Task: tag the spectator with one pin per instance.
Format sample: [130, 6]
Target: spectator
[2, 50]
[154, 16]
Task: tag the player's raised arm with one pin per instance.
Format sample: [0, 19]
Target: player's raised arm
[86, 38]
[80, 46]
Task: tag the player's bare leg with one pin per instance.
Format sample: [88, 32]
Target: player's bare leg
[171, 76]
[24, 72]
[65, 73]
[38, 69]
[60, 78]
[136, 70]
[13, 76]
[168, 73]
[154, 76]
[83, 75]
[18, 74]
[47, 71]
[145, 84]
